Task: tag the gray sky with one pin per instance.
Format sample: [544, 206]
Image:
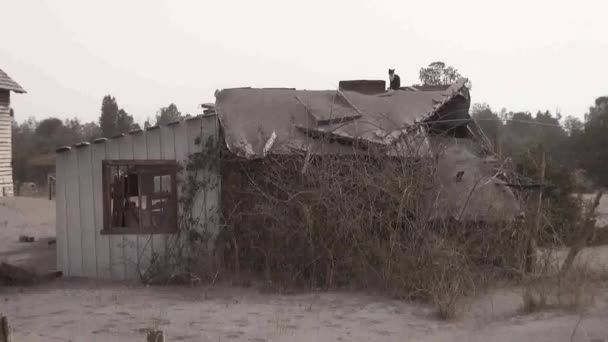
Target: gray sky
[522, 55]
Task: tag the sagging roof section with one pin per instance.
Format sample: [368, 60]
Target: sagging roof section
[256, 121]
[7, 83]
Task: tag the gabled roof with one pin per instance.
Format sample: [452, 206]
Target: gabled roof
[256, 121]
[7, 83]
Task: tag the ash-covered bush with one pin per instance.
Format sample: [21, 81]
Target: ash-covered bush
[359, 221]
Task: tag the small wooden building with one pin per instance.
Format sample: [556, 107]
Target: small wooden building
[6, 118]
[120, 200]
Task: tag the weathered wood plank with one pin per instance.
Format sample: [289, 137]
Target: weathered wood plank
[131, 253]
[144, 241]
[87, 211]
[61, 213]
[153, 144]
[102, 242]
[209, 132]
[167, 151]
[73, 230]
[196, 141]
[181, 155]
[117, 257]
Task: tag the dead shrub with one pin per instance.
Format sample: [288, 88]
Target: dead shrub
[565, 284]
[572, 291]
[359, 220]
[552, 287]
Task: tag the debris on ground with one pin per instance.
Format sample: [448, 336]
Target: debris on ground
[26, 238]
[15, 275]
[11, 275]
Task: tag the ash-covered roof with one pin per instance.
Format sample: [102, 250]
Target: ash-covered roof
[7, 83]
[256, 121]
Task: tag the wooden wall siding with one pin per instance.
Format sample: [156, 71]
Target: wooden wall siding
[73, 219]
[81, 249]
[61, 213]
[102, 242]
[6, 170]
[130, 255]
[87, 211]
[143, 243]
[156, 241]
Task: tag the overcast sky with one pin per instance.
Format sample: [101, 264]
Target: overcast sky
[522, 55]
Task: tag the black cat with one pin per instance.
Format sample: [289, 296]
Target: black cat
[395, 81]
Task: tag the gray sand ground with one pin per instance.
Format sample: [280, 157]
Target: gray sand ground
[86, 310]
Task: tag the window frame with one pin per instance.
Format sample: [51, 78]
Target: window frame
[166, 166]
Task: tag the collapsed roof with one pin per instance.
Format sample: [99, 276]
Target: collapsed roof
[260, 121]
[256, 122]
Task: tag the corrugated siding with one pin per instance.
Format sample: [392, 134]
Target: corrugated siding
[6, 170]
[82, 250]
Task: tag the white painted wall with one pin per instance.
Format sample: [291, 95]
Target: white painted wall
[6, 170]
[81, 249]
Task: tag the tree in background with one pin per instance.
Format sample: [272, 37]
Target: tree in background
[437, 74]
[591, 145]
[168, 114]
[573, 126]
[109, 116]
[32, 138]
[90, 131]
[23, 148]
[514, 132]
[113, 120]
[489, 122]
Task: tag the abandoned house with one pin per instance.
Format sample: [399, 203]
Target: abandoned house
[120, 199]
[6, 118]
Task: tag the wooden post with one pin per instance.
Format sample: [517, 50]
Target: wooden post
[154, 336]
[48, 185]
[4, 329]
[533, 245]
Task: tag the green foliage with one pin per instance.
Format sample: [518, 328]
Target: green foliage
[488, 121]
[561, 210]
[590, 146]
[32, 138]
[523, 137]
[168, 114]
[573, 125]
[437, 74]
[113, 120]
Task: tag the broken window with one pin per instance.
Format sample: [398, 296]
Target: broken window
[140, 197]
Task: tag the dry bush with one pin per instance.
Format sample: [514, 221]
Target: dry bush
[358, 220]
[565, 284]
[574, 290]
